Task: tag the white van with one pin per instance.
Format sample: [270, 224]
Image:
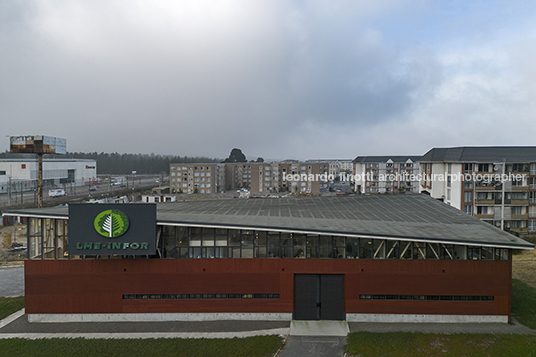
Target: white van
[56, 193]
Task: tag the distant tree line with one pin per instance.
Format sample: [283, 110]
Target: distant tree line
[116, 163]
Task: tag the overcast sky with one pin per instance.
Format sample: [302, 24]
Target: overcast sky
[278, 79]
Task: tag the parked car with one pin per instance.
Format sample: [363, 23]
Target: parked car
[56, 193]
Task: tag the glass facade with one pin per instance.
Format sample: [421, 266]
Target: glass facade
[48, 239]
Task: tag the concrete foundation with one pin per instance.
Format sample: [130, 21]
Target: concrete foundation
[427, 318]
[158, 317]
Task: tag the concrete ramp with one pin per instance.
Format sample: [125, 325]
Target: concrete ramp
[319, 328]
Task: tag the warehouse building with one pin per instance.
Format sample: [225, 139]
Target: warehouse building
[376, 258]
[20, 172]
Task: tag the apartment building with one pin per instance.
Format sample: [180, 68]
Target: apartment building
[495, 184]
[197, 178]
[305, 177]
[256, 177]
[336, 167]
[386, 174]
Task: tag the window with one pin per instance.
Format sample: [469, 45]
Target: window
[484, 210]
[48, 240]
[406, 250]
[468, 197]
[426, 297]
[473, 253]
[447, 252]
[520, 167]
[468, 184]
[516, 224]
[484, 167]
[518, 210]
[365, 248]
[432, 251]
[468, 168]
[468, 209]
[532, 225]
[485, 196]
[517, 196]
[419, 250]
[518, 183]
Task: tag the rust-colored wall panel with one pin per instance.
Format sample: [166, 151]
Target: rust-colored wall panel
[97, 286]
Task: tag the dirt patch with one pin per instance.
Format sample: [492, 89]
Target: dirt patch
[8, 236]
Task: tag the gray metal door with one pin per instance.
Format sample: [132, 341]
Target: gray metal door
[331, 297]
[318, 297]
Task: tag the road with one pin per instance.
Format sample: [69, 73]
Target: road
[30, 198]
[11, 281]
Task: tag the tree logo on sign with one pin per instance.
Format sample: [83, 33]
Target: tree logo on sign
[111, 223]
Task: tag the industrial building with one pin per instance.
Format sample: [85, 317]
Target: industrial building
[20, 172]
[363, 258]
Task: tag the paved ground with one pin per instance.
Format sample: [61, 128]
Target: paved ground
[12, 281]
[21, 325]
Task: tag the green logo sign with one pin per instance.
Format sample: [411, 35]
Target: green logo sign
[111, 223]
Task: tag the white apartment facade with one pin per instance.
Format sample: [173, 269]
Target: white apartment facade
[386, 174]
[495, 184]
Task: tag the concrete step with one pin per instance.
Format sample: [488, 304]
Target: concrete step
[319, 328]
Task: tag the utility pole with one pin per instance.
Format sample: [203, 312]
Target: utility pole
[40, 180]
[38, 144]
[9, 191]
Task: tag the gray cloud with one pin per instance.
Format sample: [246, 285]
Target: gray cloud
[275, 78]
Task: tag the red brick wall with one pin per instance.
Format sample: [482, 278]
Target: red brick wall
[97, 286]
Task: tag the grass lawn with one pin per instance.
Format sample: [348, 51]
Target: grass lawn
[421, 344]
[249, 346]
[9, 306]
[524, 303]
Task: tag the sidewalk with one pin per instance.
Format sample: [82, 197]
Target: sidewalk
[17, 326]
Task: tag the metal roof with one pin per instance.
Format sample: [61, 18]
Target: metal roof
[484, 154]
[406, 217]
[397, 158]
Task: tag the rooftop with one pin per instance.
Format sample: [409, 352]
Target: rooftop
[405, 217]
[484, 154]
[397, 158]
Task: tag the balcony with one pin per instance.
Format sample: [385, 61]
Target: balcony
[519, 216]
[485, 216]
[485, 202]
[520, 188]
[488, 187]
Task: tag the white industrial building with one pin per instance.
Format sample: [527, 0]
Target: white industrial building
[21, 172]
